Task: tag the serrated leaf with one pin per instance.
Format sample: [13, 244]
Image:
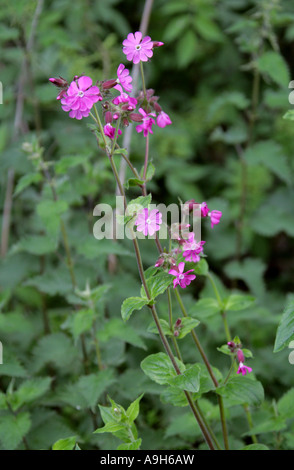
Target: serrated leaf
[30, 390]
[26, 181]
[240, 390]
[201, 268]
[158, 367]
[285, 404]
[134, 445]
[189, 380]
[187, 325]
[130, 305]
[285, 331]
[38, 244]
[13, 429]
[237, 302]
[274, 65]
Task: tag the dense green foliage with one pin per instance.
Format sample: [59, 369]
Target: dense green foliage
[223, 77]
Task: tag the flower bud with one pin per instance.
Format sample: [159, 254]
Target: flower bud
[59, 82]
[136, 117]
[108, 117]
[157, 43]
[240, 355]
[108, 84]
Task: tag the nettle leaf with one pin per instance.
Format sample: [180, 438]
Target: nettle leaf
[285, 331]
[286, 404]
[56, 348]
[131, 304]
[29, 391]
[158, 367]
[238, 302]
[50, 213]
[38, 244]
[205, 308]
[115, 328]
[274, 65]
[189, 380]
[65, 163]
[174, 396]
[13, 429]
[240, 390]
[27, 180]
[65, 444]
[271, 155]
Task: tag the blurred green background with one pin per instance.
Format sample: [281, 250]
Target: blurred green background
[223, 77]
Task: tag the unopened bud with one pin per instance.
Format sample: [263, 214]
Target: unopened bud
[240, 355]
[108, 84]
[157, 43]
[136, 117]
[59, 82]
[176, 333]
[157, 107]
[108, 117]
[178, 322]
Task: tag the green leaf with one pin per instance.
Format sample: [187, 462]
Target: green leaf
[134, 445]
[187, 325]
[189, 380]
[152, 328]
[29, 391]
[186, 48]
[240, 390]
[13, 429]
[50, 213]
[158, 367]
[82, 321]
[274, 65]
[63, 165]
[205, 308]
[65, 444]
[285, 331]
[134, 408]
[38, 244]
[157, 284]
[289, 115]
[131, 304]
[201, 268]
[56, 348]
[238, 302]
[110, 427]
[26, 181]
[271, 155]
[136, 205]
[255, 447]
[131, 182]
[286, 404]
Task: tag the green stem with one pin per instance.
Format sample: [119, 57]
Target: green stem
[170, 316]
[143, 81]
[217, 295]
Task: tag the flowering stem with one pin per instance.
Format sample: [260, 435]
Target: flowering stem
[162, 336]
[146, 157]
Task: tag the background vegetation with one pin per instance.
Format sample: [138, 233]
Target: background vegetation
[223, 77]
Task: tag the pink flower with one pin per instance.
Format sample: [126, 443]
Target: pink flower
[80, 97]
[127, 102]
[163, 119]
[148, 121]
[148, 223]
[182, 279]
[123, 79]
[243, 369]
[137, 49]
[110, 131]
[215, 217]
[204, 209]
[192, 248]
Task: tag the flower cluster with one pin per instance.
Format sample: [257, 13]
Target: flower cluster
[79, 96]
